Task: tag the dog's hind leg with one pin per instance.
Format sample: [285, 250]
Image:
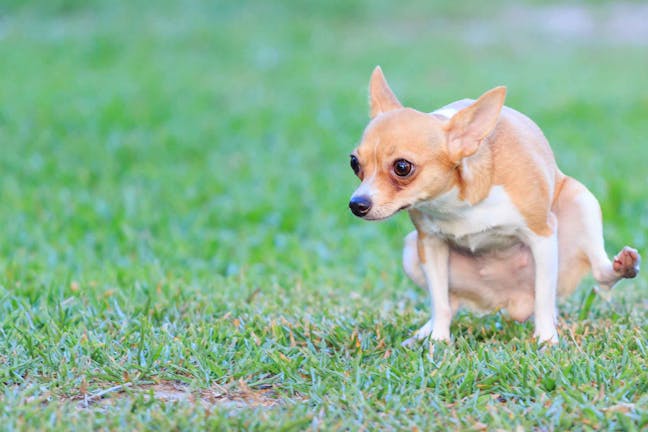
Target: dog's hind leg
[581, 245]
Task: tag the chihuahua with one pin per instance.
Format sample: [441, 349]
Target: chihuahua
[498, 225]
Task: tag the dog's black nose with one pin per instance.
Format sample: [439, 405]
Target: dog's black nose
[360, 205]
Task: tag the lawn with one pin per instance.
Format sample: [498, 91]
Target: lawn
[176, 250]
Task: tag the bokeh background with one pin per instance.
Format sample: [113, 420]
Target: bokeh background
[167, 166]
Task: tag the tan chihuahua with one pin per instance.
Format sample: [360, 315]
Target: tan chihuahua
[498, 225]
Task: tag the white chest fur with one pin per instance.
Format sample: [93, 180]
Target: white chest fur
[493, 223]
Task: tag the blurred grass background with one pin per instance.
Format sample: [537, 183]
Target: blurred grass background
[168, 164]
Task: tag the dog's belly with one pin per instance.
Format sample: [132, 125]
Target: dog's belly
[492, 279]
[490, 266]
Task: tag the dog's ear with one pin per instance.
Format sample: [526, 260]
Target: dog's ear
[469, 126]
[381, 97]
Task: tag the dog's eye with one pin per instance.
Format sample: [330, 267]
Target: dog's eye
[355, 165]
[403, 168]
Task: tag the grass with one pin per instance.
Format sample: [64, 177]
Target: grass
[174, 180]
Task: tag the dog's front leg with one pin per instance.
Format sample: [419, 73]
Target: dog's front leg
[545, 255]
[433, 255]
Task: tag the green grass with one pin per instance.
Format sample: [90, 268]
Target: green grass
[173, 185]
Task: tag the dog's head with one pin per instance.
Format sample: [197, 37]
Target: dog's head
[406, 156]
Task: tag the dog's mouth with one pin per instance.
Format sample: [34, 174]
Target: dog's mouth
[380, 217]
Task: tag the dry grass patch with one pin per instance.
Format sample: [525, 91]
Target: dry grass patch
[235, 396]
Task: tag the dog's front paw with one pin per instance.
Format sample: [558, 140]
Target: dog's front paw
[626, 263]
[425, 331]
[419, 335]
[441, 336]
[410, 342]
[549, 337]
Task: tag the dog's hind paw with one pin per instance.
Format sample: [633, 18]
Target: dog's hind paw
[626, 263]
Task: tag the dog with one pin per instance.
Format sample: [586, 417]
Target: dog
[498, 226]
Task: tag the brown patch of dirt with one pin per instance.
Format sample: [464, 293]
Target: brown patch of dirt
[239, 397]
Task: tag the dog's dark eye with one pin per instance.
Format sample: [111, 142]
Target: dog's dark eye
[355, 165]
[403, 168]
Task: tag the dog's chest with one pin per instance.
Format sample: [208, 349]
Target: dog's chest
[493, 223]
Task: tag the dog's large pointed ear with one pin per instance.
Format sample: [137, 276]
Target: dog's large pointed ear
[381, 97]
[467, 128]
